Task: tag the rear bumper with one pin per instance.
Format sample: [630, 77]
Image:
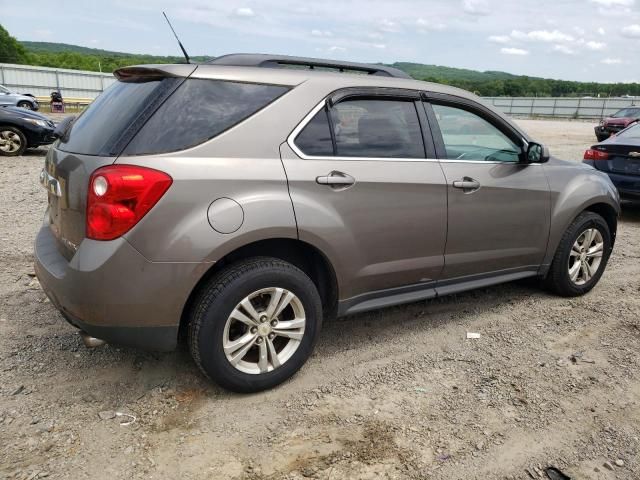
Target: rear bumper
[112, 292]
[628, 185]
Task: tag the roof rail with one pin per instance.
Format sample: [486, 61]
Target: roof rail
[279, 61]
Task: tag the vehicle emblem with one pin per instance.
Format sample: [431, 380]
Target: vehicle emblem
[50, 183]
[634, 154]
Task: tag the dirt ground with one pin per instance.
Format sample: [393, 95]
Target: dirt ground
[398, 393]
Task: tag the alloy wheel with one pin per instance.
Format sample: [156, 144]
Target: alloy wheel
[10, 142]
[264, 330]
[585, 256]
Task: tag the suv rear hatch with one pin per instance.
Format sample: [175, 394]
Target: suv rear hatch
[95, 139]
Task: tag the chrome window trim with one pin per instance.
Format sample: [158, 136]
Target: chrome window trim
[303, 123]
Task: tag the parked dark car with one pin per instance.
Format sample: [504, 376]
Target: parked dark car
[619, 157]
[617, 122]
[21, 129]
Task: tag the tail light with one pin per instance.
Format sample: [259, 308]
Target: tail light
[119, 196]
[592, 154]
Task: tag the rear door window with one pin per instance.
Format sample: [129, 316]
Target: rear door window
[371, 128]
[377, 128]
[198, 111]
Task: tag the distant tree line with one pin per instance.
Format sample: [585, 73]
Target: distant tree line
[540, 87]
[489, 84]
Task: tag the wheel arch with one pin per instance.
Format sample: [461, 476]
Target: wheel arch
[303, 255]
[602, 207]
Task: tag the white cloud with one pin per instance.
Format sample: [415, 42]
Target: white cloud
[597, 46]
[542, 36]
[499, 38]
[601, 31]
[244, 12]
[614, 3]
[425, 25]
[513, 51]
[336, 48]
[388, 26]
[321, 33]
[632, 31]
[612, 61]
[476, 7]
[380, 46]
[564, 49]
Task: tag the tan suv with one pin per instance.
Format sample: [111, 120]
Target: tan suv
[243, 201]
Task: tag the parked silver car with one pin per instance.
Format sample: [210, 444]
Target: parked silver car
[241, 202]
[8, 97]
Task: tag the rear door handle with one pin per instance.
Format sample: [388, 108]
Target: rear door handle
[336, 179]
[467, 184]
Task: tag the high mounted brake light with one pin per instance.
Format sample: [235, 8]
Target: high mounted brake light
[119, 196]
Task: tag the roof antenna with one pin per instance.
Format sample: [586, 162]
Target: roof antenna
[184, 52]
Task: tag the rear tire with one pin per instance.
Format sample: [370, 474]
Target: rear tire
[12, 141]
[581, 257]
[254, 324]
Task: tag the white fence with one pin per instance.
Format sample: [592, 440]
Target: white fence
[560, 107]
[41, 81]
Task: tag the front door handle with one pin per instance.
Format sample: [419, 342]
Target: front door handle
[467, 184]
[336, 179]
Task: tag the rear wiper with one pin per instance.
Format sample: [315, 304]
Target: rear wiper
[63, 127]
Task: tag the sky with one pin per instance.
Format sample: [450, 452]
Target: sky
[586, 40]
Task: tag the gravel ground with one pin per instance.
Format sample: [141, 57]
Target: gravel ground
[398, 393]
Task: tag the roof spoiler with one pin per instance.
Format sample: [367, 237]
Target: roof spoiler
[148, 72]
[280, 61]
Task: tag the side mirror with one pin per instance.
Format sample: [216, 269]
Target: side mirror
[537, 153]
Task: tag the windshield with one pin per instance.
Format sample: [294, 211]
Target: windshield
[631, 132]
[627, 112]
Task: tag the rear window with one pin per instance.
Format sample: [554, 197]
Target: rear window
[101, 129]
[200, 110]
[187, 113]
[631, 132]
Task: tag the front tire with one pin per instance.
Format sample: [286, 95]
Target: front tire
[25, 104]
[254, 324]
[12, 141]
[581, 256]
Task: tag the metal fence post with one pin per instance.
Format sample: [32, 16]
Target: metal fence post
[57, 82]
[1, 75]
[577, 115]
[511, 107]
[553, 112]
[533, 101]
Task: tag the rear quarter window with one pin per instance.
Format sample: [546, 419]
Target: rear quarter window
[198, 111]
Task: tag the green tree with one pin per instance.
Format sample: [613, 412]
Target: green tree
[10, 50]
